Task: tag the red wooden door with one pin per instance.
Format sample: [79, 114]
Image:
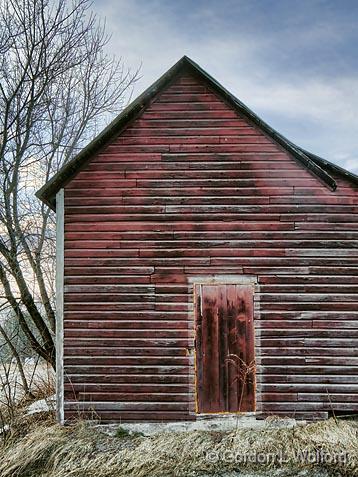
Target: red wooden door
[224, 349]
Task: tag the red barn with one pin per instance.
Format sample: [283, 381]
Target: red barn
[206, 264]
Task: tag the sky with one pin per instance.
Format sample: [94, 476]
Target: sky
[294, 63]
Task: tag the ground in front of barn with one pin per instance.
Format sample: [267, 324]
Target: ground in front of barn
[33, 445]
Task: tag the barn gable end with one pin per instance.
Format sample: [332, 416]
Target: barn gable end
[194, 191]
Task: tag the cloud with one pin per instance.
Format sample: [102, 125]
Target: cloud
[298, 72]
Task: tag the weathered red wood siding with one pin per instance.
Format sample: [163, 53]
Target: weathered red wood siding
[224, 346]
[191, 188]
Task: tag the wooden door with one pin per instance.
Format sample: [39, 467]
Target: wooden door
[224, 348]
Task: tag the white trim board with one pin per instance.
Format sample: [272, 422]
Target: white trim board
[59, 305]
[224, 279]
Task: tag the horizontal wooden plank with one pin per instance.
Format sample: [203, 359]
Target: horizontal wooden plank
[125, 406]
[283, 323]
[316, 289]
[316, 306]
[310, 388]
[72, 271]
[122, 315]
[122, 343]
[127, 360]
[308, 369]
[214, 183]
[277, 397]
[352, 323]
[320, 351]
[230, 138]
[308, 279]
[186, 106]
[122, 324]
[155, 130]
[308, 315]
[173, 397]
[96, 369]
[93, 249]
[128, 416]
[311, 333]
[190, 98]
[103, 351]
[84, 306]
[108, 297]
[204, 124]
[321, 379]
[309, 360]
[110, 288]
[125, 333]
[212, 239]
[136, 390]
[287, 212]
[178, 226]
[128, 379]
[329, 397]
[103, 279]
[179, 191]
[287, 407]
[182, 114]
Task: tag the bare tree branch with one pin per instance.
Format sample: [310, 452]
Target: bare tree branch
[57, 88]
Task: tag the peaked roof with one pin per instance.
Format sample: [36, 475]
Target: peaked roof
[319, 167]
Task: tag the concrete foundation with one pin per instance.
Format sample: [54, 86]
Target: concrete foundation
[221, 423]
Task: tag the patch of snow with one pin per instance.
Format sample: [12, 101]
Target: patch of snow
[4, 429]
[42, 405]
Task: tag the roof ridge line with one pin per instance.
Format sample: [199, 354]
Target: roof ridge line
[315, 164]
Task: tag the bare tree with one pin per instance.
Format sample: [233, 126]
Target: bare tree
[10, 341]
[57, 87]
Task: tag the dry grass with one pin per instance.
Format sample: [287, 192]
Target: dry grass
[44, 385]
[48, 450]
[11, 408]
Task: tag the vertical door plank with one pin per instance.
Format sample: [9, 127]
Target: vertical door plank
[199, 378]
[232, 347]
[244, 310]
[223, 348]
[215, 358]
[250, 392]
[208, 347]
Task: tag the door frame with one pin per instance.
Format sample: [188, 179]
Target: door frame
[222, 280]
